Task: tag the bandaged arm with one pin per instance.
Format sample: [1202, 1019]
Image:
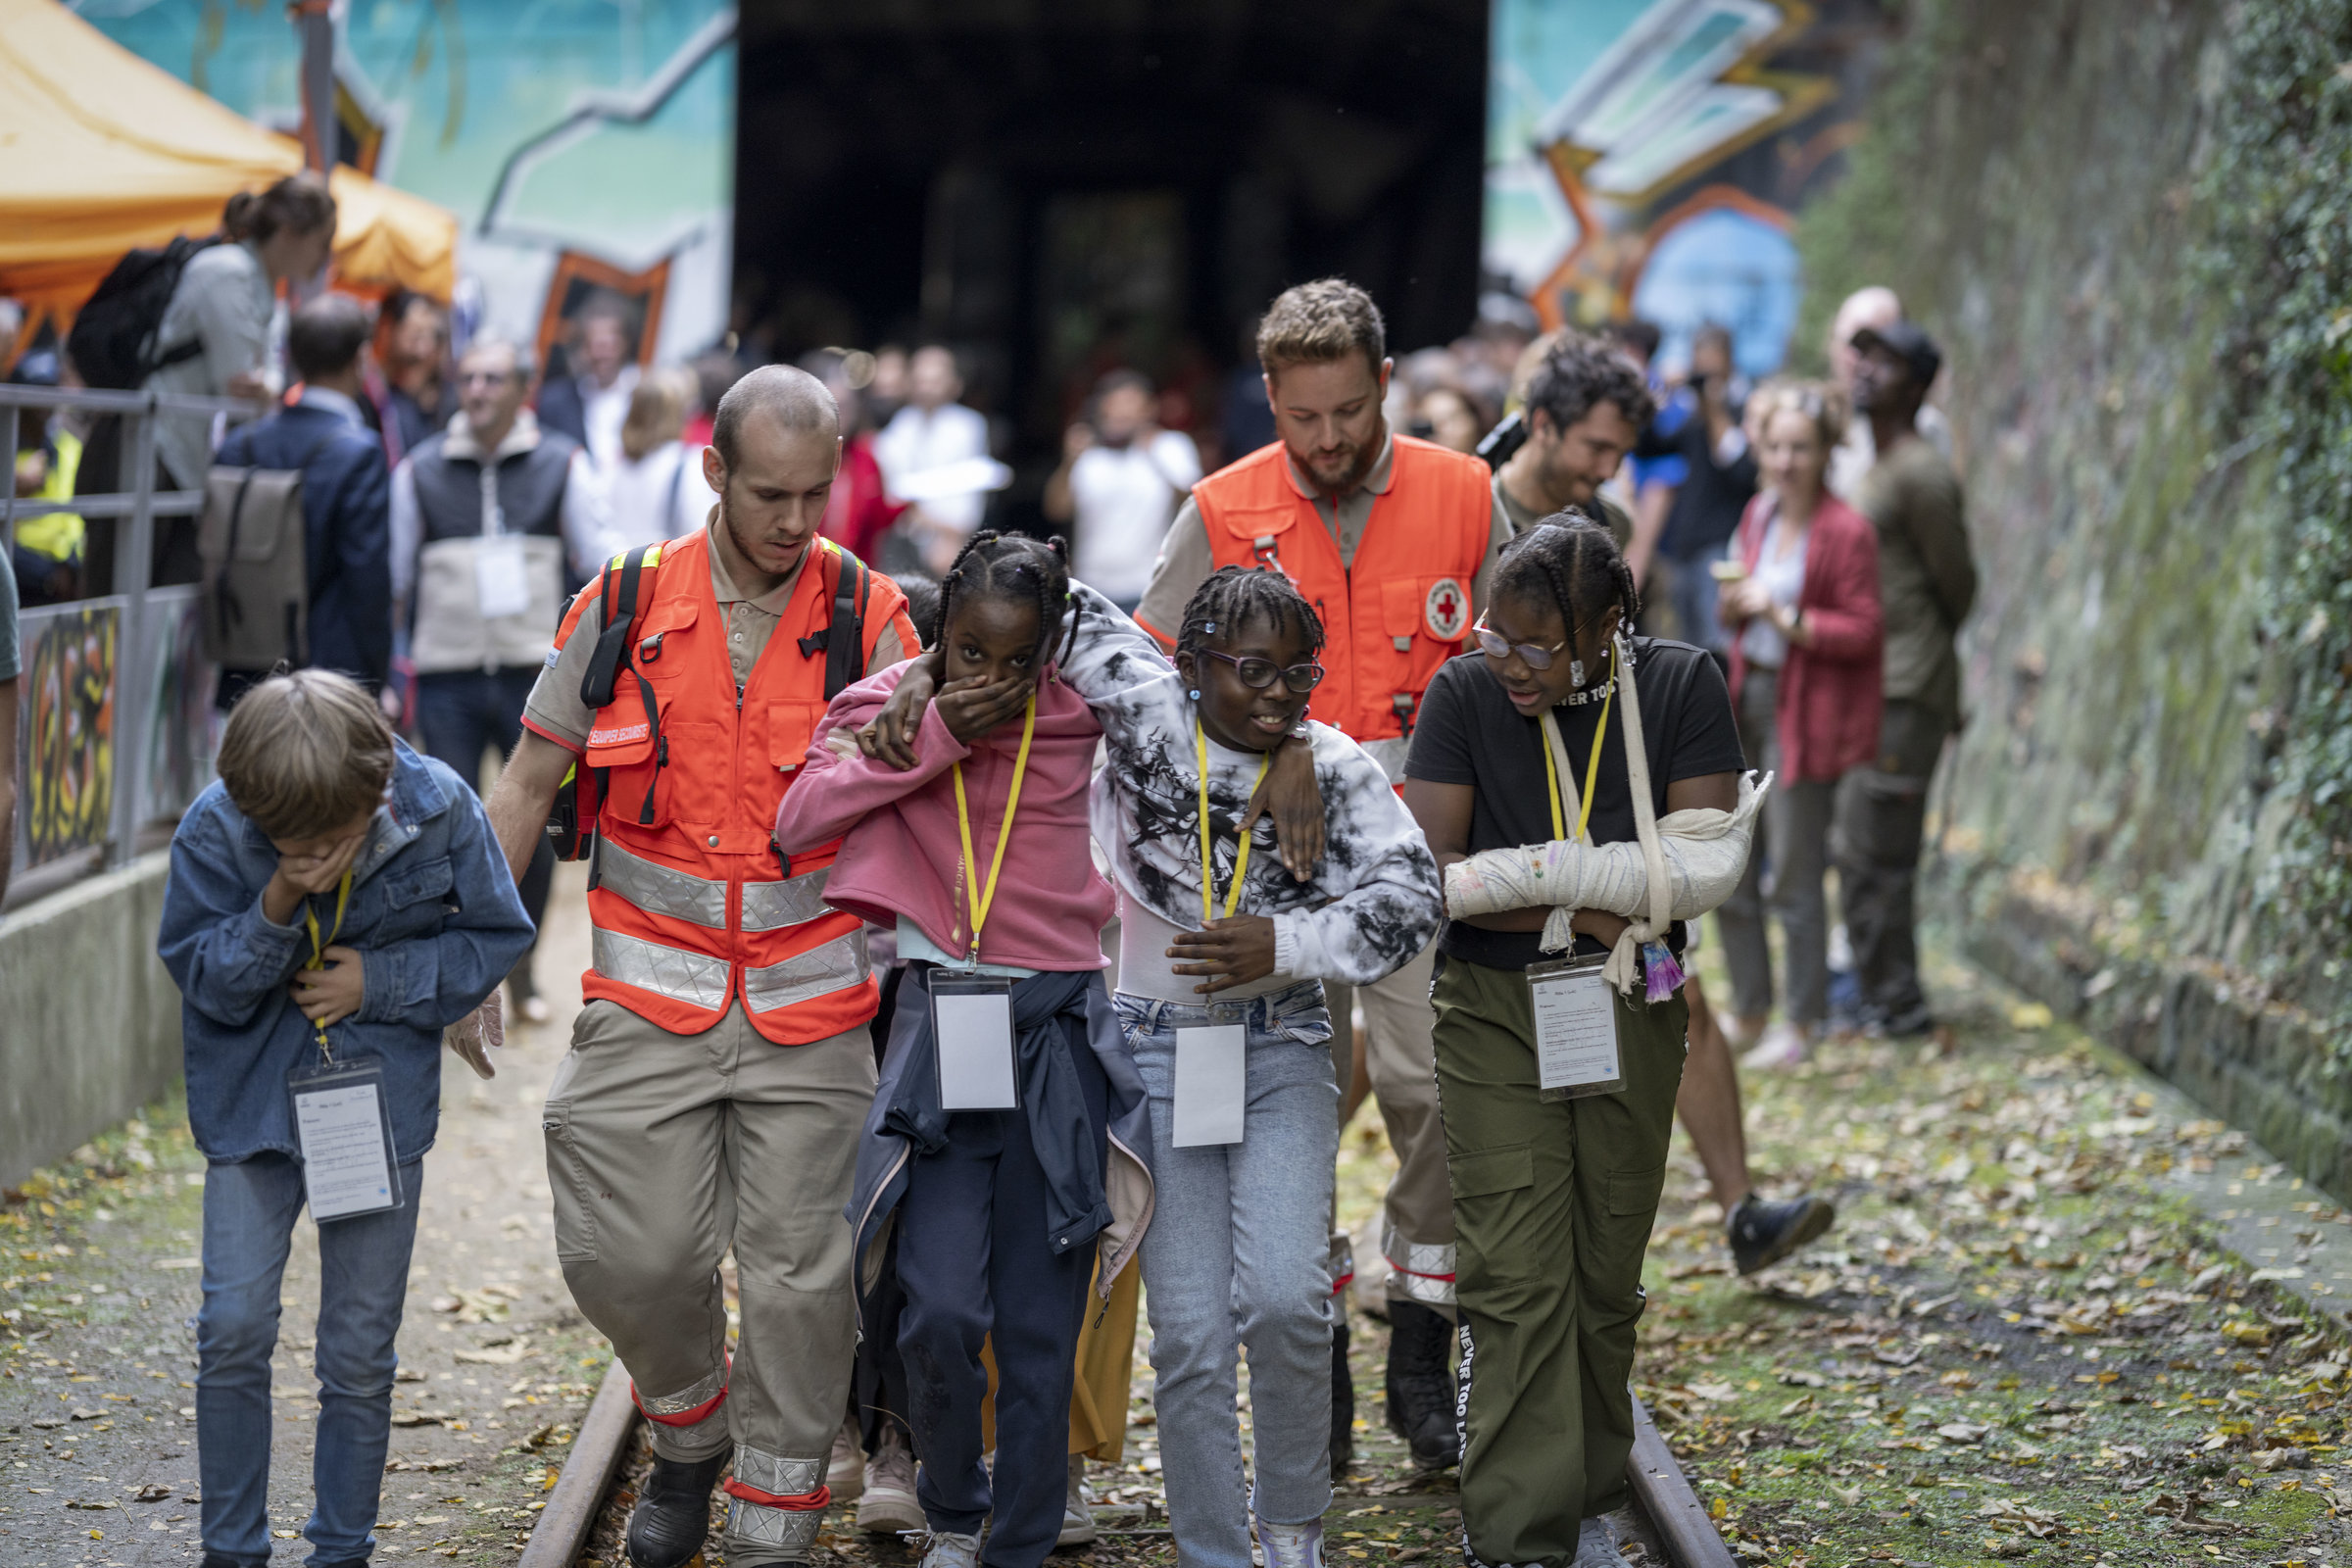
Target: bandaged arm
[1705, 851]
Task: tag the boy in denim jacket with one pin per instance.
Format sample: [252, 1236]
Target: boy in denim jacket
[316, 790]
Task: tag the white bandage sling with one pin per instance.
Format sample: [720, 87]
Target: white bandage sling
[1678, 867]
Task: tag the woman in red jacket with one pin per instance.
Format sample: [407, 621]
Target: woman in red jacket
[1807, 646]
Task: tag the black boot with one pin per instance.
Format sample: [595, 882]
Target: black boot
[673, 1512]
[1343, 1403]
[1421, 1384]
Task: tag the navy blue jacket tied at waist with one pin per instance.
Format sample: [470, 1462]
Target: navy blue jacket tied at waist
[1053, 1013]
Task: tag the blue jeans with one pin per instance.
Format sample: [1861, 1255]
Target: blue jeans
[1239, 1252]
[248, 1210]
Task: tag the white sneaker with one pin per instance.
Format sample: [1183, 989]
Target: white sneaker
[1596, 1546]
[943, 1549]
[888, 1507]
[845, 1471]
[1291, 1546]
[1784, 1046]
[1077, 1512]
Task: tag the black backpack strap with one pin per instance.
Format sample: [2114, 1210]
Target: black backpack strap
[845, 637]
[617, 607]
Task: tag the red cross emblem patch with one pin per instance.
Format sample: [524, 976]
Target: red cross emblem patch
[1446, 610]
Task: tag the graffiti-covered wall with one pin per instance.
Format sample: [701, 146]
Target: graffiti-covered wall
[581, 142]
[1647, 157]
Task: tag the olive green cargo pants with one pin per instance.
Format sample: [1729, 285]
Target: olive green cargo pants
[1552, 1206]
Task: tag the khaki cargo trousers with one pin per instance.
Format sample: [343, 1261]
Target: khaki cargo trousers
[666, 1151]
[1416, 1232]
[1552, 1206]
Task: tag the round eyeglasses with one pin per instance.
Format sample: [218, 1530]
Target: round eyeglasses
[1259, 673]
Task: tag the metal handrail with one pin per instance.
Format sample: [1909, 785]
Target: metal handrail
[103, 400]
[138, 507]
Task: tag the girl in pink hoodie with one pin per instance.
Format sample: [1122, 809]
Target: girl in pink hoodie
[978, 856]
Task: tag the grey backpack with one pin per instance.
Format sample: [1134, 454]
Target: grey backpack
[255, 602]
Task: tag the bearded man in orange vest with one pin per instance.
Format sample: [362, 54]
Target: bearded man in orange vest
[1393, 538]
[722, 1069]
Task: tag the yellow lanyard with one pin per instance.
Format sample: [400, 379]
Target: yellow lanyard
[319, 946]
[1552, 773]
[981, 898]
[1241, 862]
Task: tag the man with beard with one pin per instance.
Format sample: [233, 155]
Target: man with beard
[1393, 539]
[1586, 406]
[721, 1068]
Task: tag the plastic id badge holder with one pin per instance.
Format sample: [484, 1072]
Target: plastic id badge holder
[971, 1032]
[1212, 1065]
[1576, 1029]
[502, 576]
[345, 1129]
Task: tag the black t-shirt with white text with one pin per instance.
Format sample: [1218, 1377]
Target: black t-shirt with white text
[1468, 732]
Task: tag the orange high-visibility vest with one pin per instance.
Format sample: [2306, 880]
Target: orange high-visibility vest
[1403, 609]
[693, 906]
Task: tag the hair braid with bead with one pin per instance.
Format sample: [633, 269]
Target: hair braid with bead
[1008, 565]
[1233, 594]
[1576, 562]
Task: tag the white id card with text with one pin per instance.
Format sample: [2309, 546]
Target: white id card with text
[971, 1030]
[345, 1130]
[1212, 1075]
[1576, 1029]
[501, 578]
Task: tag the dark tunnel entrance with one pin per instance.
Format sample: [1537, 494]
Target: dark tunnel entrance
[1059, 189]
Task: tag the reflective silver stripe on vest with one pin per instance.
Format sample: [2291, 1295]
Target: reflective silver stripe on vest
[694, 978]
[1389, 755]
[772, 905]
[823, 969]
[657, 889]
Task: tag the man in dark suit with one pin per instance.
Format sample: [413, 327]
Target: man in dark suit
[346, 494]
[589, 405]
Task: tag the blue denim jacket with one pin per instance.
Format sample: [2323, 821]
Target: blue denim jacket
[434, 917]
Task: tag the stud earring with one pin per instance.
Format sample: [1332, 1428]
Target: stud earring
[1194, 694]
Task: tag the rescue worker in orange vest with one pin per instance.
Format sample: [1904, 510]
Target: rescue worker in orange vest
[1393, 538]
[721, 1068]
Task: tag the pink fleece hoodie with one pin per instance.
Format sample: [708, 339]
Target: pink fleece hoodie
[900, 854]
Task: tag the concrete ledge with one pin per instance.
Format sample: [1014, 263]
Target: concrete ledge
[2246, 1058]
[89, 1021]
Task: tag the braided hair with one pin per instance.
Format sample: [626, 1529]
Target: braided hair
[1233, 594]
[1574, 562]
[1008, 565]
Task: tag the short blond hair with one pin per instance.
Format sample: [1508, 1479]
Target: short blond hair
[656, 412]
[306, 752]
[1318, 322]
[1818, 401]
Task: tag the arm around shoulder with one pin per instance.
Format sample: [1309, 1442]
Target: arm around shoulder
[839, 784]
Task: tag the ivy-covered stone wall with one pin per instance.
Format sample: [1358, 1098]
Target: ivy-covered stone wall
[2130, 222]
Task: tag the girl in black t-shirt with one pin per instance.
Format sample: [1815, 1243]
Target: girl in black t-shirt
[1564, 770]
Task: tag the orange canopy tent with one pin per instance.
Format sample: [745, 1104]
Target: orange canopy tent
[101, 152]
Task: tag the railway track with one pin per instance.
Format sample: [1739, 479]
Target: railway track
[1663, 1499]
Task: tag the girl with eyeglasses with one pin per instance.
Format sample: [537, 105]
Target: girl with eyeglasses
[1215, 932]
[1581, 791]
